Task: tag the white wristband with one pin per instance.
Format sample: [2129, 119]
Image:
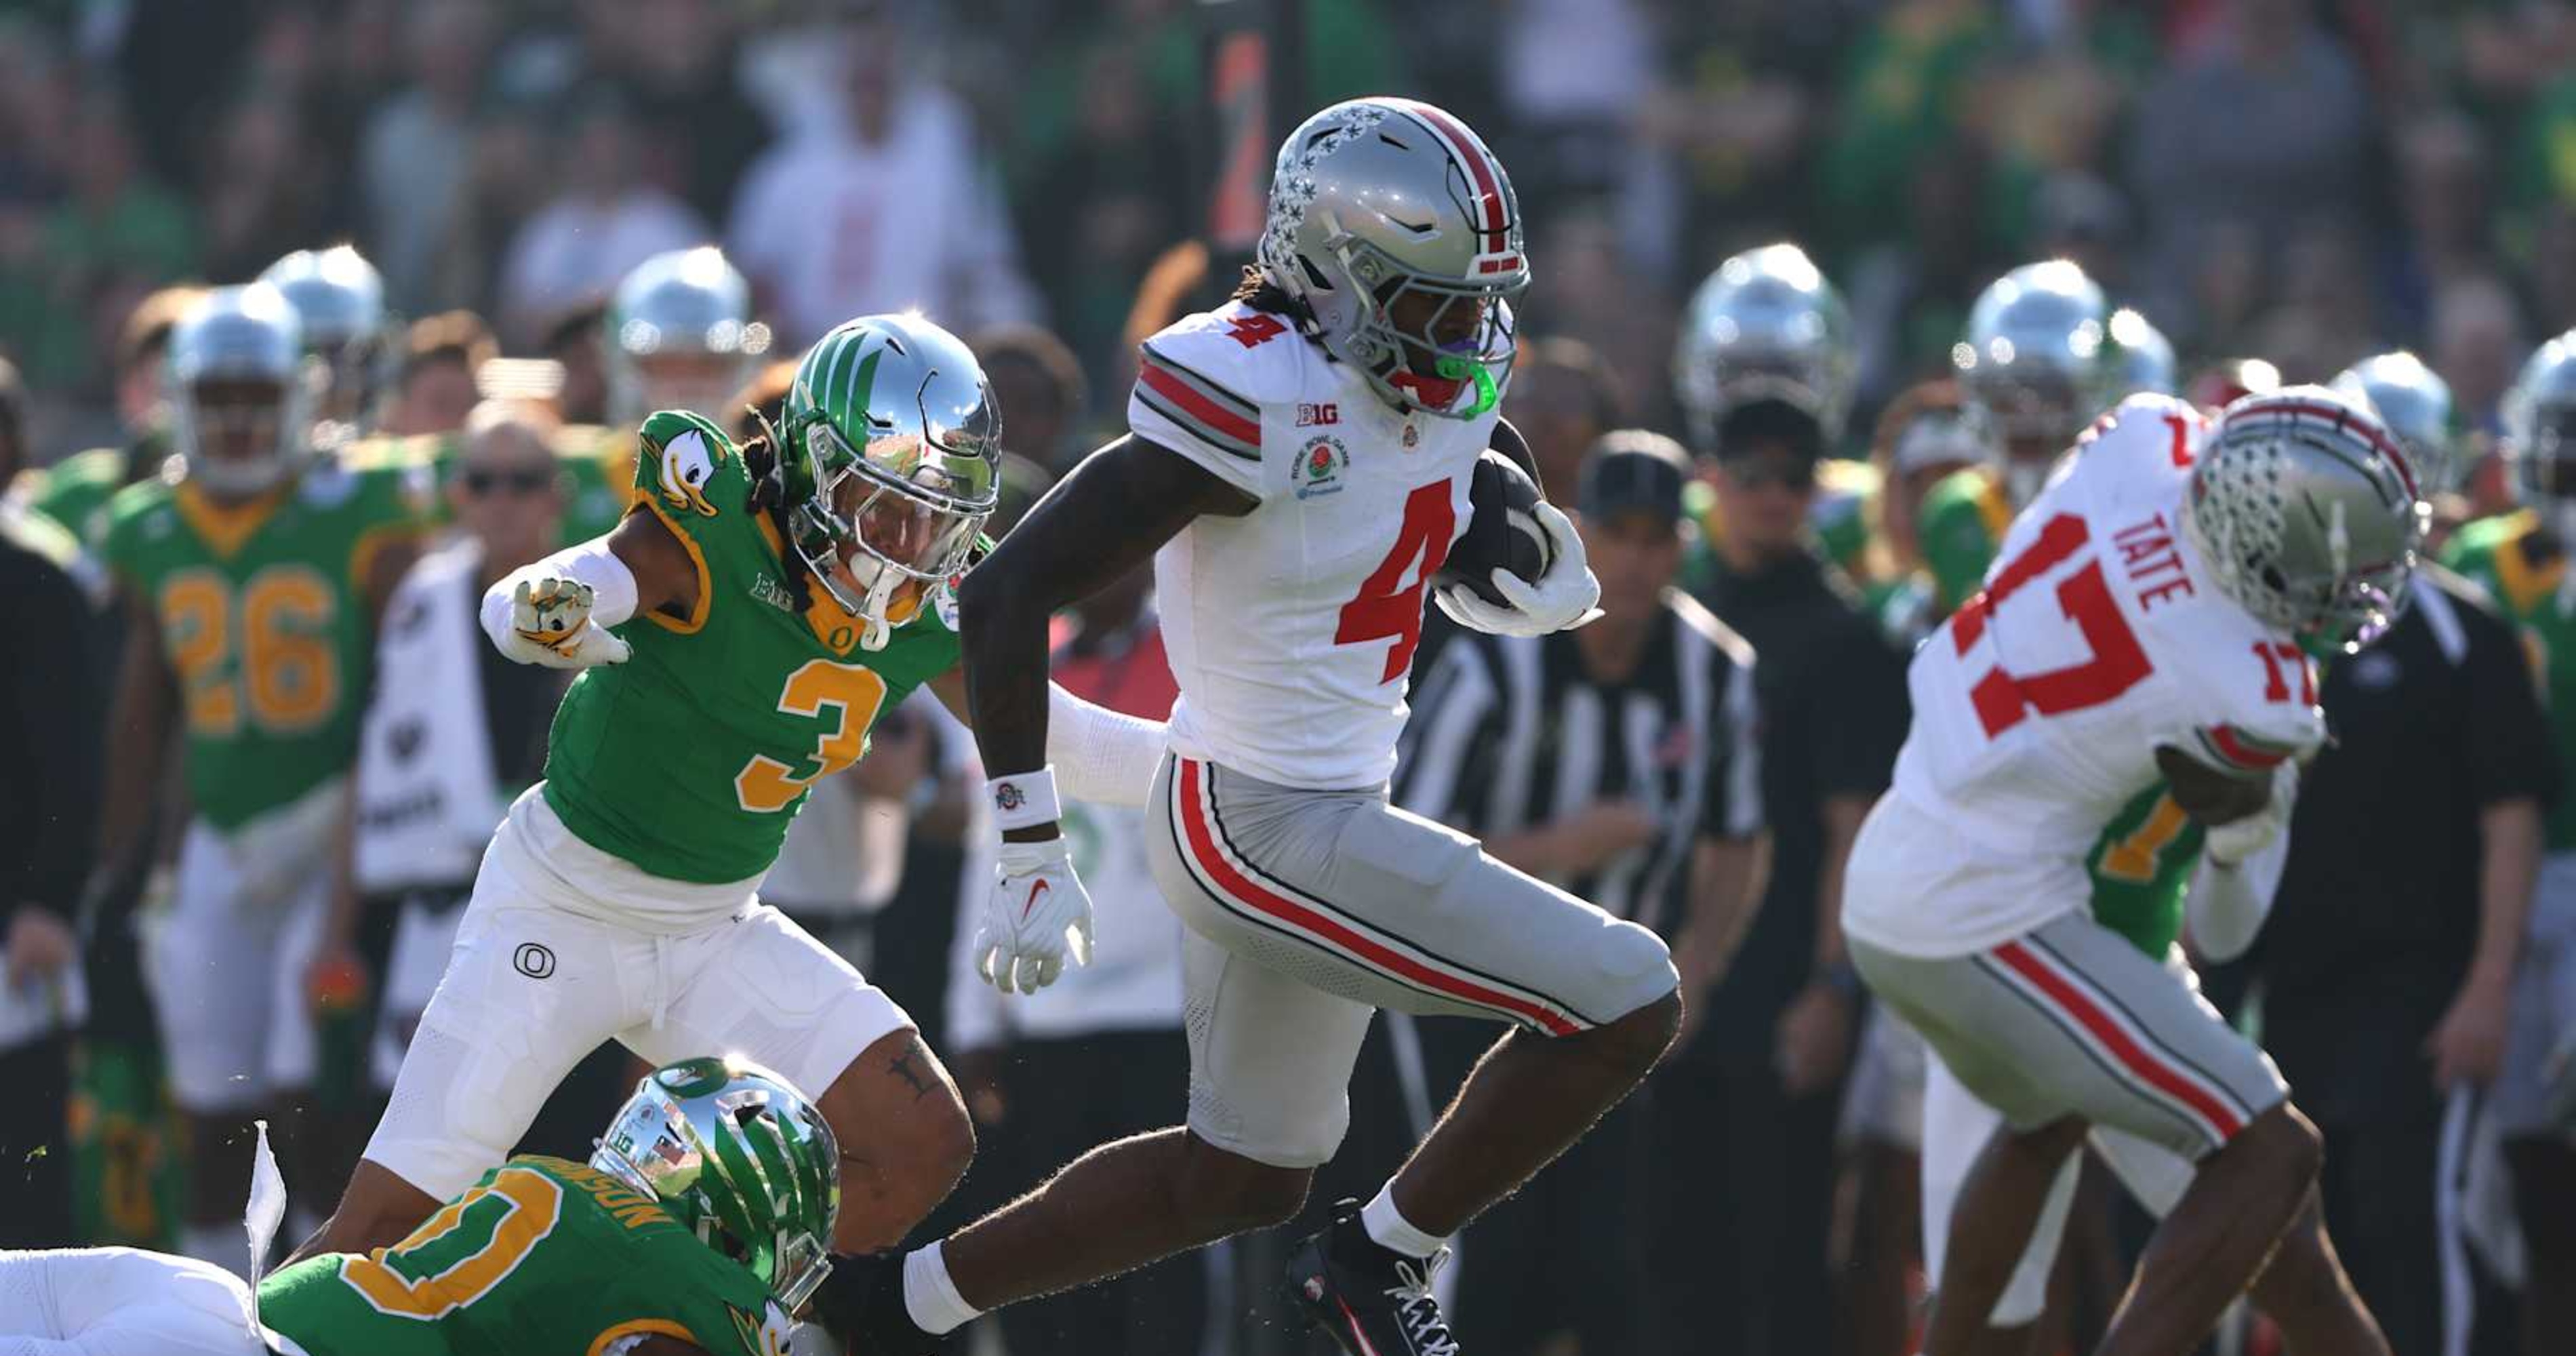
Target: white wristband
[1023, 799]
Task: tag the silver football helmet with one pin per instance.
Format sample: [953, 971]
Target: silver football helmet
[890, 459]
[241, 390]
[1765, 325]
[2142, 358]
[340, 298]
[681, 337]
[738, 1156]
[2539, 441]
[2035, 365]
[2415, 403]
[2307, 511]
[1397, 233]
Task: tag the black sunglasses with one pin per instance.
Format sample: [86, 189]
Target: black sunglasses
[479, 481]
[1754, 475]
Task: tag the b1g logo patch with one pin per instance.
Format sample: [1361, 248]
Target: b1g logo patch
[1320, 465]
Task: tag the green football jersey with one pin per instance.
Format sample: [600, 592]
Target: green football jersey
[689, 759]
[75, 491]
[2526, 572]
[541, 1255]
[264, 621]
[1960, 527]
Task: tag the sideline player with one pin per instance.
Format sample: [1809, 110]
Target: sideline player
[698, 1226]
[1299, 464]
[252, 579]
[768, 601]
[2044, 706]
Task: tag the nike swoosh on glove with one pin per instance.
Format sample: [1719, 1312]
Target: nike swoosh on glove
[1036, 917]
[1563, 597]
[550, 625]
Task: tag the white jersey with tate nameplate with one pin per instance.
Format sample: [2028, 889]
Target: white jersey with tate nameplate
[2100, 635]
[1291, 630]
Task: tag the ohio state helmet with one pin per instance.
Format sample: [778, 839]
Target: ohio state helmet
[1376, 199]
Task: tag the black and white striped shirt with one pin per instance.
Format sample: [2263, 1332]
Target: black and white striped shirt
[1509, 733]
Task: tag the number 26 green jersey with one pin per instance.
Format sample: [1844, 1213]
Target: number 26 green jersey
[689, 759]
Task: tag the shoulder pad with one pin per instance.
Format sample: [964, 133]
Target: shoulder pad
[1251, 355]
[678, 461]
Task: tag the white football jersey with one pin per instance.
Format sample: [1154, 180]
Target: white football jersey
[1291, 630]
[2100, 635]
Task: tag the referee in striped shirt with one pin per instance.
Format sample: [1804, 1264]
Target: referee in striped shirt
[1619, 762]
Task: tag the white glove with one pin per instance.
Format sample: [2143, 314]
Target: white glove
[550, 625]
[1562, 598]
[2232, 844]
[1036, 915]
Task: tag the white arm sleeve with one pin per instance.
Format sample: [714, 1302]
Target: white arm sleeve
[2228, 904]
[612, 585]
[1100, 755]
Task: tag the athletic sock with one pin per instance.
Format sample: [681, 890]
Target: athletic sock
[1393, 1231]
[931, 1297]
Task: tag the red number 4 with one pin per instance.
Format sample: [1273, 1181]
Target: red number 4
[1381, 609]
[2276, 686]
[1251, 331]
[2118, 663]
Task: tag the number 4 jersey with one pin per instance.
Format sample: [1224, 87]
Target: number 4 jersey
[2100, 635]
[1291, 629]
[689, 759]
[542, 1255]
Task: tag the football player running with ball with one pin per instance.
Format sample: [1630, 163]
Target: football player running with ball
[1298, 467]
[2144, 621]
[698, 1226]
[739, 631]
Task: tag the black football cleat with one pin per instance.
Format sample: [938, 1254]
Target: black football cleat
[1372, 1300]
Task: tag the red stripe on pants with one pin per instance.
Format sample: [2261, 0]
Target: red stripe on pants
[1261, 899]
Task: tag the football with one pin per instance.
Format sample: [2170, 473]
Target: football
[1503, 531]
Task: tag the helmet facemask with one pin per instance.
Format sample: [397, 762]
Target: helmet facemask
[2545, 466]
[1424, 342]
[867, 524]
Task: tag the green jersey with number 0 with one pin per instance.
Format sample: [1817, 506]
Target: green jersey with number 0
[541, 1255]
[263, 615]
[689, 758]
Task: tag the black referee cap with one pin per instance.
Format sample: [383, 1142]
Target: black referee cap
[1634, 470]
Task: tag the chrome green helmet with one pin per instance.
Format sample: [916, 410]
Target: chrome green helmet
[241, 391]
[681, 337]
[2142, 358]
[2035, 366]
[740, 1157]
[340, 298]
[1766, 325]
[2415, 403]
[890, 457]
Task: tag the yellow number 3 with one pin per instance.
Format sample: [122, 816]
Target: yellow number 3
[766, 785]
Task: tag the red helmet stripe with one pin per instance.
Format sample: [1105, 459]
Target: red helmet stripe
[1488, 177]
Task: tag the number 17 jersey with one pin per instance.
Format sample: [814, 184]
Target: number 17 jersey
[2100, 635]
[1291, 629]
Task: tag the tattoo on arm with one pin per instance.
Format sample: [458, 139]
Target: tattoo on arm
[1106, 518]
[903, 1068]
